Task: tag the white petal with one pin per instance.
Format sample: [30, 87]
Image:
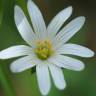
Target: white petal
[67, 62]
[57, 76]
[43, 78]
[37, 19]
[69, 30]
[58, 21]
[75, 49]
[15, 51]
[23, 26]
[22, 64]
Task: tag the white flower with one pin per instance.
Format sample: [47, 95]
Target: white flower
[47, 46]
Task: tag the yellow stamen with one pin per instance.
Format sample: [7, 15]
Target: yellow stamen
[43, 49]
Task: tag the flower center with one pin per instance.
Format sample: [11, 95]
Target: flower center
[43, 49]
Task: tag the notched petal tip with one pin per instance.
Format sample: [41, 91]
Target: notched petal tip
[16, 7]
[30, 2]
[18, 13]
[45, 93]
[81, 68]
[91, 53]
[1, 57]
[82, 19]
[70, 8]
[13, 68]
[63, 86]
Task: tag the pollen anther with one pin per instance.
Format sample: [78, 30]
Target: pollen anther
[43, 49]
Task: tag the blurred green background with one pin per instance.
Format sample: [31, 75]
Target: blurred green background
[25, 83]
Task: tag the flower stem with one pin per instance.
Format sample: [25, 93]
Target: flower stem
[5, 83]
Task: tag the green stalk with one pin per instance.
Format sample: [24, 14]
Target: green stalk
[6, 85]
[8, 91]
